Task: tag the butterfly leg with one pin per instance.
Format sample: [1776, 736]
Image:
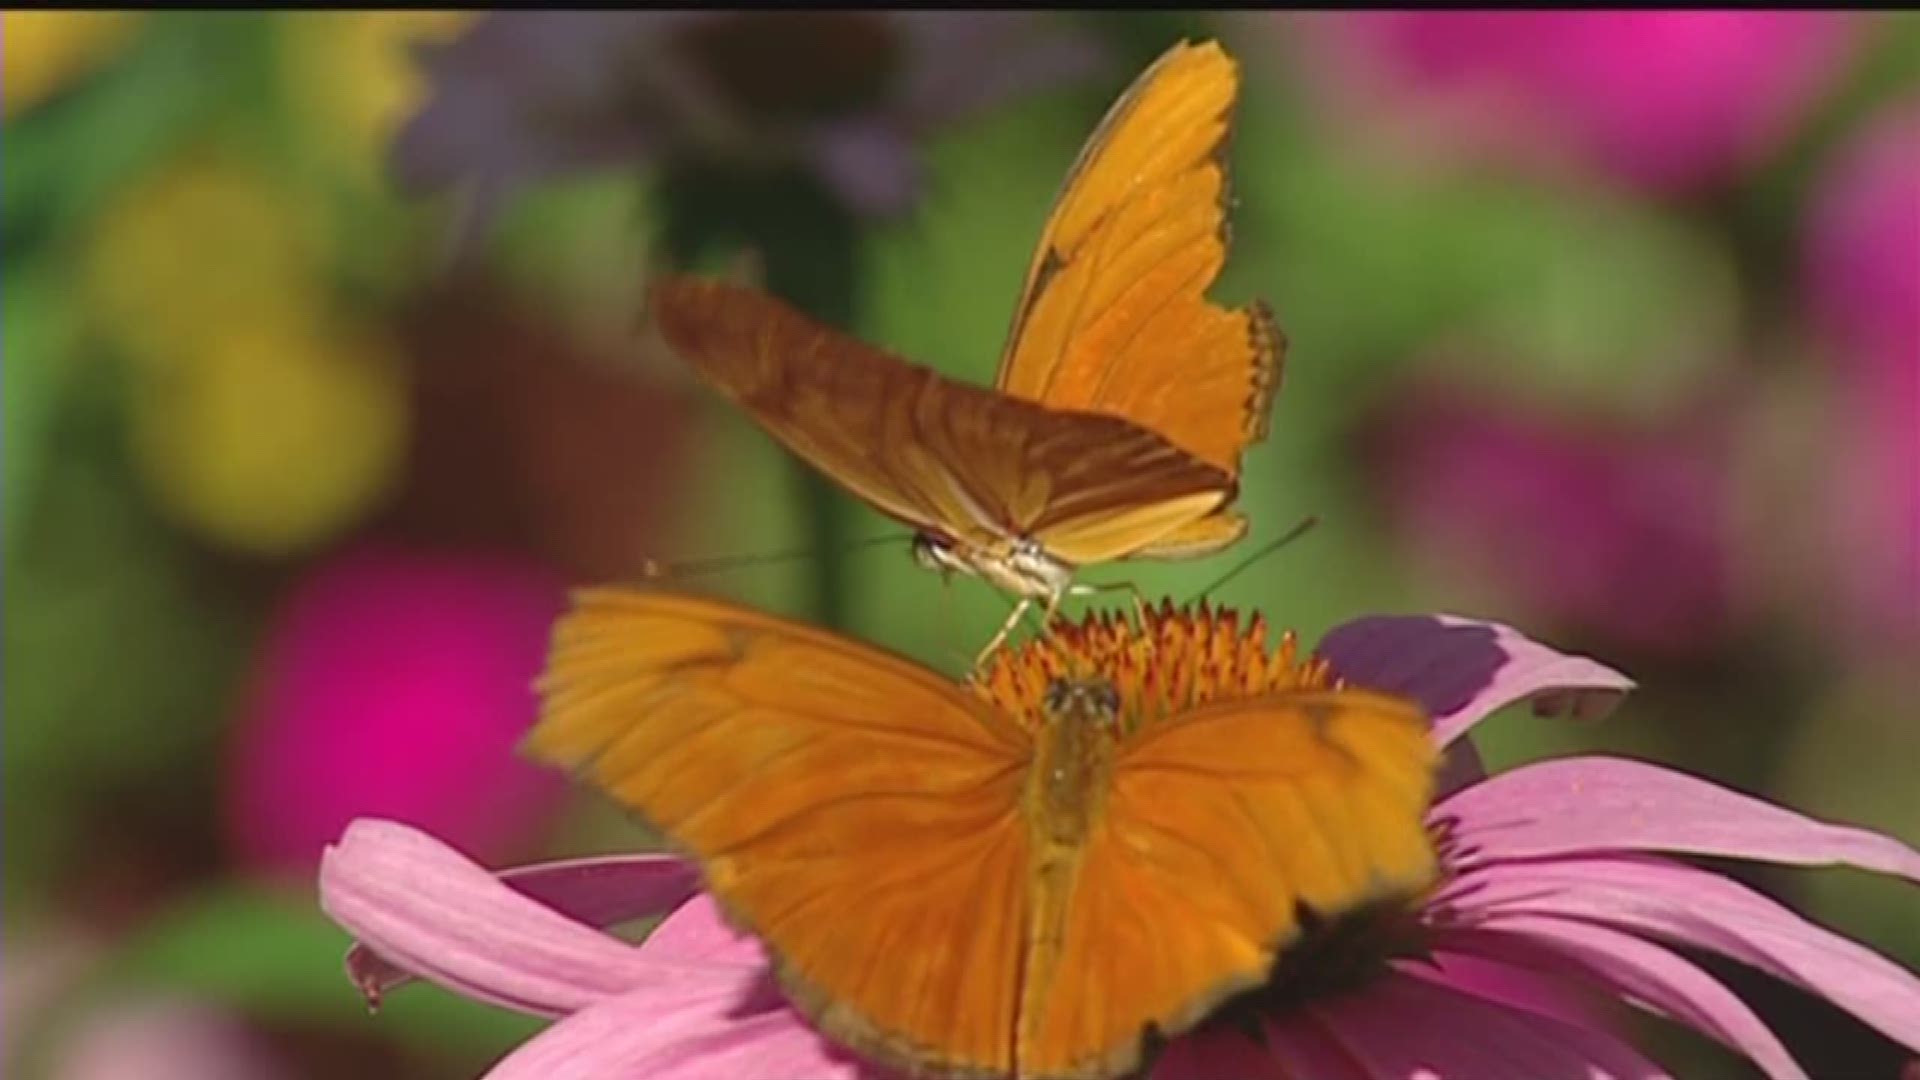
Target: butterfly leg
[1006, 628]
[1133, 591]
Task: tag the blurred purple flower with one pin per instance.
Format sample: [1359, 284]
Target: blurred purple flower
[395, 682]
[1621, 533]
[526, 95]
[1668, 100]
[1560, 895]
[1863, 274]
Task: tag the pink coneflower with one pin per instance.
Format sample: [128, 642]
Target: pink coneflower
[1560, 893]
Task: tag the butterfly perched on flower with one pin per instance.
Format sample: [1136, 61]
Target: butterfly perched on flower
[1125, 398]
[1037, 873]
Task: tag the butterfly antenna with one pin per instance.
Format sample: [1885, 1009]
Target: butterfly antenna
[1306, 525]
[654, 570]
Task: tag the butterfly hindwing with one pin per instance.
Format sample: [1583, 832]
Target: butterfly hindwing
[1219, 825]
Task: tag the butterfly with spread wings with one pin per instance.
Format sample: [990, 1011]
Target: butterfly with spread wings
[1032, 877]
[1125, 397]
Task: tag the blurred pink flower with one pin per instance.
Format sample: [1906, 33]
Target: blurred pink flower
[1669, 100]
[166, 1039]
[1863, 275]
[396, 682]
[1621, 533]
[1559, 896]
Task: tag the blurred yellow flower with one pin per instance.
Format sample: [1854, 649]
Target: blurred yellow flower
[353, 78]
[42, 51]
[260, 418]
[279, 435]
[177, 259]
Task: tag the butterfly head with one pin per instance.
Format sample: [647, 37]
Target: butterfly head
[1090, 700]
[935, 552]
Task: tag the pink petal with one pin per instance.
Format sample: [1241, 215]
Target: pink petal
[601, 892]
[1503, 983]
[1305, 1048]
[1640, 971]
[1571, 806]
[698, 933]
[1410, 1027]
[666, 1032]
[1692, 907]
[432, 912]
[1219, 1050]
[1463, 670]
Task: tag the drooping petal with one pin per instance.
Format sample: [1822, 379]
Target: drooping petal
[1502, 982]
[1462, 670]
[430, 911]
[1576, 805]
[1408, 1026]
[667, 1032]
[610, 889]
[1640, 971]
[1304, 1047]
[1219, 1050]
[1692, 907]
[599, 892]
[1460, 766]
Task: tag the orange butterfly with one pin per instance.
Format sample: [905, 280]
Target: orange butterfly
[1028, 876]
[1125, 398]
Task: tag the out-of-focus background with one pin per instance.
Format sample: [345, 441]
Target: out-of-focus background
[323, 382]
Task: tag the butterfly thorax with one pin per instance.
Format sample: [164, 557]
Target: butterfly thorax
[1020, 566]
[1073, 755]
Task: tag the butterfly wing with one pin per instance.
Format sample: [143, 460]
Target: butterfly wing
[852, 808]
[938, 455]
[1114, 315]
[1220, 823]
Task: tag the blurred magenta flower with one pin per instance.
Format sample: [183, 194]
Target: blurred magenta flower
[1624, 533]
[1669, 100]
[528, 95]
[1559, 883]
[395, 682]
[1863, 245]
[1863, 275]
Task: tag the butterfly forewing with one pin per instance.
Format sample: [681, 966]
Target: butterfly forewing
[1114, 315]
[856, 811]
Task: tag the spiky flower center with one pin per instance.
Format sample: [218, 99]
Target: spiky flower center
[1172, 661]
